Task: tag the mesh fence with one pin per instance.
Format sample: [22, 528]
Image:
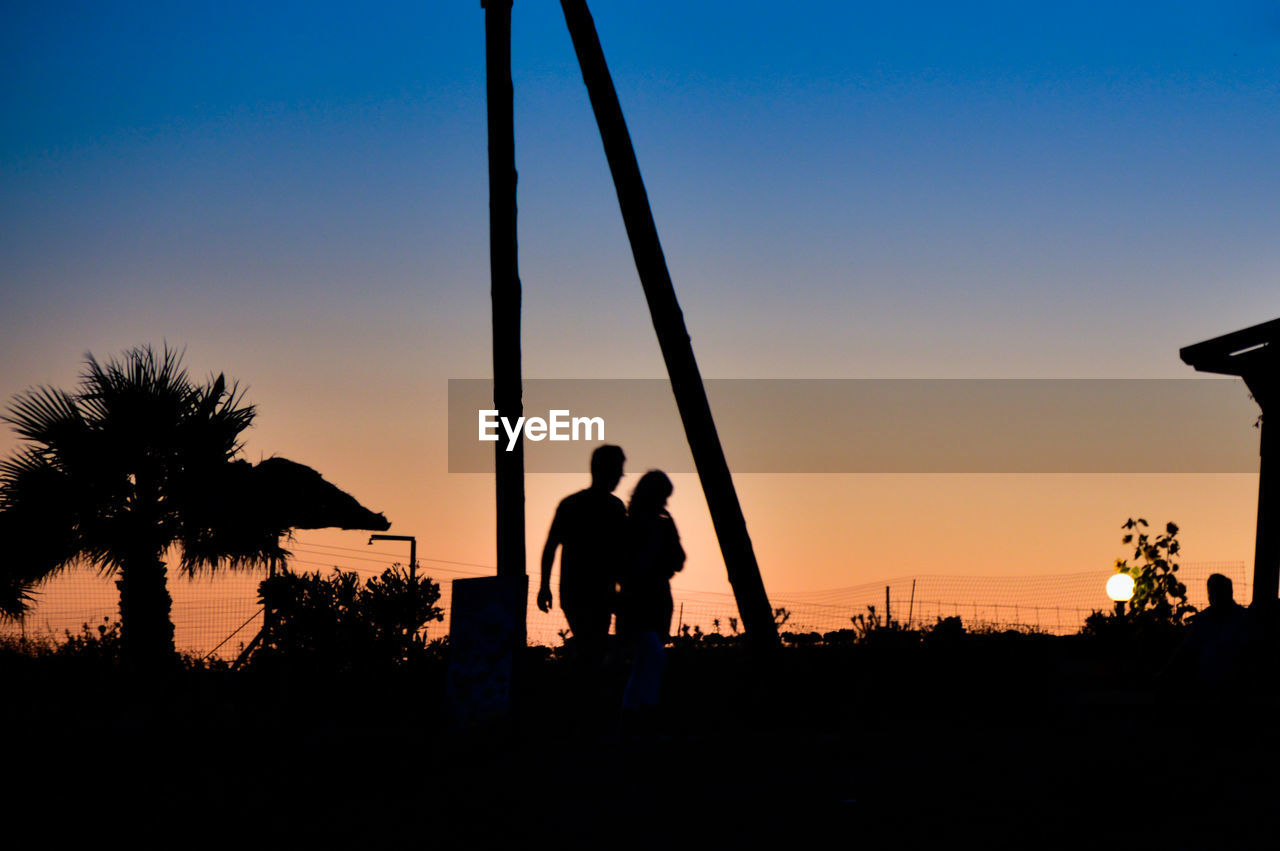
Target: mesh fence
[215, 612]
[220, 614]
[1055, 604]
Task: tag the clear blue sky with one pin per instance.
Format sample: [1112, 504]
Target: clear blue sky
[1056, 172]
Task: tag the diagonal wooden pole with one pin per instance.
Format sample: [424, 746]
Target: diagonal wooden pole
[505, 285]
[673, 336]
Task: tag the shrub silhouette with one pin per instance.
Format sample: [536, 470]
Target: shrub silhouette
[340, 623]
[1158, 596]
[1158, 612]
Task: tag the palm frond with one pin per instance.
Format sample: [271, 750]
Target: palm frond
[217, 417]
[34, 545]
[17, 472]
[140, 399]
[236, 549]
[16, 598]
[45, 415]
[233, 417]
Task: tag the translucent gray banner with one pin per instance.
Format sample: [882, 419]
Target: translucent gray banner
[876, 425]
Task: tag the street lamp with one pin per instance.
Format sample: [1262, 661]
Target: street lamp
[1120, 589]
[413, 563]
[413, 550]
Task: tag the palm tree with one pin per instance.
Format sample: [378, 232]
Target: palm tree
[137, 461]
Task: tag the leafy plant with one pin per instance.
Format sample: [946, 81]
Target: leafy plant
[339, 622]
[865, 624]
[1158, 595]
[101, 643]
[945, 632]
[801, 639]
[691, 632]
[871, 627]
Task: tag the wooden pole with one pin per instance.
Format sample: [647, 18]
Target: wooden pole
[673, 336]
[1266, 552]
[505, 285]
[911, 605]
[1262, 379]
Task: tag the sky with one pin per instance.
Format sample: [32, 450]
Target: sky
[298, 196]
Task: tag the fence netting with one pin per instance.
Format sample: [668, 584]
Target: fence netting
[220, 613]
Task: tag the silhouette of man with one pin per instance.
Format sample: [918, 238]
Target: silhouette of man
[1217, 643]
[1219, 636]
[588, 527]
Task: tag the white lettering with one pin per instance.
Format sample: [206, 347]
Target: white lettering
[489, 425]
[586, 423]
[558, 424]
[512, 433]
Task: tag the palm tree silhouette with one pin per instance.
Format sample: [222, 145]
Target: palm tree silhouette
[137, 461]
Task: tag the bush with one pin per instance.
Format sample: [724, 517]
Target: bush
[947, 632]
[99, 645]
[1158, 596]
[801, 639]
[340, 623]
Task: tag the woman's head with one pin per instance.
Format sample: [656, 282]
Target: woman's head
[650, 495]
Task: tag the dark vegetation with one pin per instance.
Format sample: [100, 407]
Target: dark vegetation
[340, 624]
[336, 729]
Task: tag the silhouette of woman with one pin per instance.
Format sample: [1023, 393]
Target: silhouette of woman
[654, 555]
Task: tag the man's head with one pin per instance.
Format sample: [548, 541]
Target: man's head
[606, 467]
[1220, 590]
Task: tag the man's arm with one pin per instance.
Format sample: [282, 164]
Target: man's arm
[548, 559]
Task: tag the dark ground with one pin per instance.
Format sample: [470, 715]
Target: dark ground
[1002, 741]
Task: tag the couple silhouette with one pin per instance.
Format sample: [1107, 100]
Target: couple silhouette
[616, 559]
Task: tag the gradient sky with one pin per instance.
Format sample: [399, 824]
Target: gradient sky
[298, 194]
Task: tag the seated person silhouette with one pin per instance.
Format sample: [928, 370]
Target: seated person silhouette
[1219, 635]
[588, 528]
[1218, 641]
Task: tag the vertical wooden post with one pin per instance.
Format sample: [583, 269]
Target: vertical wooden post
[911, 604]
[673, 336]
[505, 285]
[1254, 354]
[1263, 379]
[1266, 551]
